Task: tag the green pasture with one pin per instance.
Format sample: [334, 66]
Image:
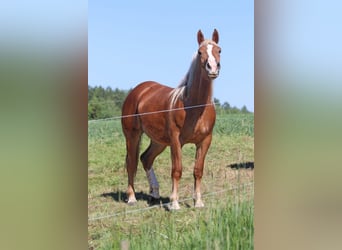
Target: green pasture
[226, 221]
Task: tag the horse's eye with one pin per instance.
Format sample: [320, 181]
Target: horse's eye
[199, 52]
[220, 51]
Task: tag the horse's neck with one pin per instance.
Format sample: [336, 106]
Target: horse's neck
[200, 91]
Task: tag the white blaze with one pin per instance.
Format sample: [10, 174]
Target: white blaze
[211, 58]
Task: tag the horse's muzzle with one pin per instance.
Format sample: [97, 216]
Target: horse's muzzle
[213, 75]
[213, 71]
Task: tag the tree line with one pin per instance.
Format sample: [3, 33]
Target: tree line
[107, 102]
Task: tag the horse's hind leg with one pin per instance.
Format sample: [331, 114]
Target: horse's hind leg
[147, 159]
[132, 146]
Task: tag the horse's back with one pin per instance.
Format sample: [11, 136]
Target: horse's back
[147, 92]
[130, 104]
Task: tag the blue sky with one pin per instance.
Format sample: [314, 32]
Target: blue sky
[133, 41]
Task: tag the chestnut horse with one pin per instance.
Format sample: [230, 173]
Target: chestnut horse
[173, 117]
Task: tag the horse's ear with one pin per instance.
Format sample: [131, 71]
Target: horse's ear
[215, 36]
[200, 37]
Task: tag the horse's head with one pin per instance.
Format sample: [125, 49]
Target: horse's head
[209, 53]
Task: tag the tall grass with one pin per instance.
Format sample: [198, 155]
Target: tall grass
[225, 224]
[235, 124]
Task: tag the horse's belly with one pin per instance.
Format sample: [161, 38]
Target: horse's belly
[156, 130]
[158, 137]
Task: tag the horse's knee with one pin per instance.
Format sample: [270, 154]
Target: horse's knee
[198, 173]
[176, 173]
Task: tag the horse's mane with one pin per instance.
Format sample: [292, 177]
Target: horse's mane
[181, 91]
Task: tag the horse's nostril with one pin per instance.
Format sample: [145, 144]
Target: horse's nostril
[208, 66]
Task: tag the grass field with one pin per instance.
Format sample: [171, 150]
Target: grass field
[226, 221]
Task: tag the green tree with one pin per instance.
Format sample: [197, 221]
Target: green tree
[244, 110]
[105, 102]
[94, 109]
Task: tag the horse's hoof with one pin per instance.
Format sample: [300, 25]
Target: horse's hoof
[174, 206]
[131, 201]
[199, 204]
[153, 201]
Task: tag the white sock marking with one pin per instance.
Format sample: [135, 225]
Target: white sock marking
[154, 185]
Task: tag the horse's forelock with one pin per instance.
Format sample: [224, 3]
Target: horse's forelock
[207, 42]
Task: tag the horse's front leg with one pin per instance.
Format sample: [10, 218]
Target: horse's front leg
[201, 151]
[176, 173]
